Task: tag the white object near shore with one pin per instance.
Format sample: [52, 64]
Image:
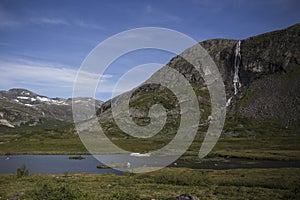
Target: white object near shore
[140, 154]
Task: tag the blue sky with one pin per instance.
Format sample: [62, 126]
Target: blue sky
[43, 43]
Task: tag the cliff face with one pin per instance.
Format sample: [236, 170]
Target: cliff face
[268, 74]
[261, 76]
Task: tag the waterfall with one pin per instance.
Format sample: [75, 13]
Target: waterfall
[228, 102]
[236, 79]
[237, 62]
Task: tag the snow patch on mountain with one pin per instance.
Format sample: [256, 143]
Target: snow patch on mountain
[4, 122]
[43, 99]
[20, 97]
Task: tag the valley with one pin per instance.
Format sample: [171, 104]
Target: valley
[261, 76]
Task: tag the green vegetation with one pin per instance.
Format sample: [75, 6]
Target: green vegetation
[103, 167]
[60, 191]
[49, 138]
[163, 184]
[277, 146]
[268, 147]
[113, 165]
[76, 157]
[22, 171]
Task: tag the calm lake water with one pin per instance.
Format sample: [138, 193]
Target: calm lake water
[51, 164]
[59, 164]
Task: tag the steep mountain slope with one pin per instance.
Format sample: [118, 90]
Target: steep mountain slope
[262, 81]
[23, 107]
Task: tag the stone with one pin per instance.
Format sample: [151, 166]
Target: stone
[187, 197]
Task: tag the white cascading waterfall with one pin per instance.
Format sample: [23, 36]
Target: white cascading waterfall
[236, 79]
[237, 61]
[228, 102]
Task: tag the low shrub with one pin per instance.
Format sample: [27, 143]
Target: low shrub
[22, 171]
[59, 191]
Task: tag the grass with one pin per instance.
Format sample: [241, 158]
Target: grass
[35, 145]
[163, 184]
[254, 140]
[280, 147]
[269, 148]
[37, 140]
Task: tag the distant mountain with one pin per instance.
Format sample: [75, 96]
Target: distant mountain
[22, 107]
[262, 81]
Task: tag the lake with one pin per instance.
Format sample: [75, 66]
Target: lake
[59, 164]
[51, 164]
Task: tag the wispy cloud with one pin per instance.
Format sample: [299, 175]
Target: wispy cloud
[84, 24]
[47, 77]
[7, 20]
[148, 9]
[50, 21]
[8, 23]
[156, 15]
[128, 81]
[44, 76]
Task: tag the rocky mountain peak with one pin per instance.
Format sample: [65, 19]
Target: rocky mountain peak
[261, 76]
[21, 106]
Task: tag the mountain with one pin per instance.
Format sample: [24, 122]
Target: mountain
[261, 76]
[20, 107]
[262, 81]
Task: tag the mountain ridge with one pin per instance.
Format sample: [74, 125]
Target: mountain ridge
[265, 59]
[23, 107]
[269, 64]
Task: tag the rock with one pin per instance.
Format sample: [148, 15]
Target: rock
[187, 197]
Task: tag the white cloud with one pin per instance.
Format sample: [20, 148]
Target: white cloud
[39, 74]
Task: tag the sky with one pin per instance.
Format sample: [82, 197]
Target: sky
[43, 43]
